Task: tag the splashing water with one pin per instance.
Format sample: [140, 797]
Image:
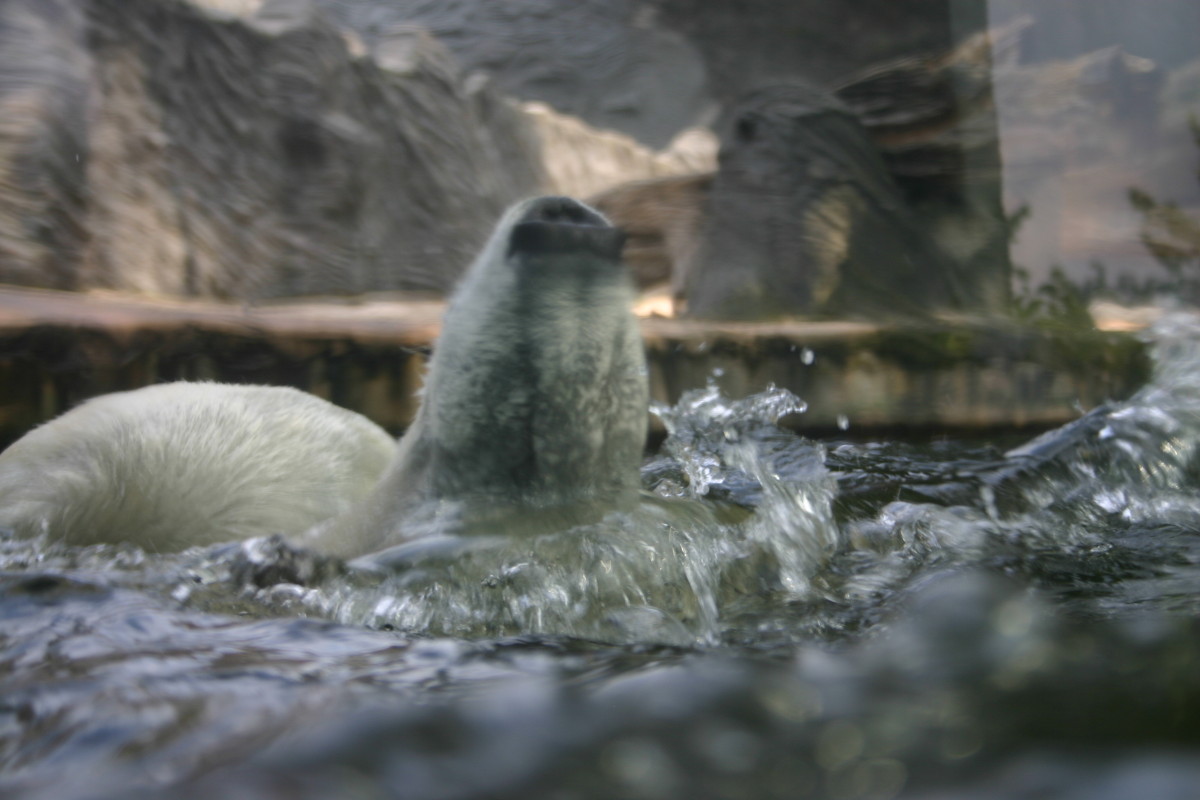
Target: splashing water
[665, 572]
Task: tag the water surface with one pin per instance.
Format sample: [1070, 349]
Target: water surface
[779, 618]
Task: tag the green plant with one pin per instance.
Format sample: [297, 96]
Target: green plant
[1057, 303]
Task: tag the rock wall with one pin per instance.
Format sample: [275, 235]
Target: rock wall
[43, 142]
[804, 218]
[882, 198]
[580, 161]
[243, 150]
[248, 149]
[162, 148]
[607, 62]
[664, 220]
[745, 44]
[651, 68]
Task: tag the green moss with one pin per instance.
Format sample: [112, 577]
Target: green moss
[1087, 353]
[923, 348]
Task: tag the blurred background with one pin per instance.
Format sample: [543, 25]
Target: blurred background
[247, 149]
[291, 170]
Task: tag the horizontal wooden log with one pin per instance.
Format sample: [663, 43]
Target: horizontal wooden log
[59, 348]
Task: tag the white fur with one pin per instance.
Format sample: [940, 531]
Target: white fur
[535, 401]
[578, 403]
[183, 464]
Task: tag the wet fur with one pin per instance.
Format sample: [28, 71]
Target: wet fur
[184, 464]
[536, 397]
[534, 407]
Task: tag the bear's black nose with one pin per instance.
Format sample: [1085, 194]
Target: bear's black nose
[563, 211]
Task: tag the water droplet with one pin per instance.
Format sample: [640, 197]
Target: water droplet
[718, 372]
[807, 356]
[1112, 501]
[843, 422]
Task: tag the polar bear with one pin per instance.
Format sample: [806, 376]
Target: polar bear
[534, 407]
[181, 464]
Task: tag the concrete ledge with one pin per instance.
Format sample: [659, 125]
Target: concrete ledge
[973, 375]
[59, 348]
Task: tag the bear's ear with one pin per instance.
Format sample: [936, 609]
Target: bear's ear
[543, 238]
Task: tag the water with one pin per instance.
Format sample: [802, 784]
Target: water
[779, 618]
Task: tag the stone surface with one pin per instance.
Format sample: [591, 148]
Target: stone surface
[933, 118]
[168, 149]
[651, 68]
[607, 62]
[883, 198]
[746, 44]
[664, 219]
[804, 218]
[241, 150]
[579, 161]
